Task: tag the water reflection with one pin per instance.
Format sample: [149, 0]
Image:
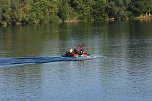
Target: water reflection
[124, 74]
[22, 83]
[126, 70]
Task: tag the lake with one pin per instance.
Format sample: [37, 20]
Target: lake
[124, 73]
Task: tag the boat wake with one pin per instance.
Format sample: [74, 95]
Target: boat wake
[43, 59]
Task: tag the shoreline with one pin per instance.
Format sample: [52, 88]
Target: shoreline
[148, 17]
[4, 24]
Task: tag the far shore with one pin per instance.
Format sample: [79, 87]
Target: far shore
[145, 17]
[142, 17]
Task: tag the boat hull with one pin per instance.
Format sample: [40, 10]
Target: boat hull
[75, 55]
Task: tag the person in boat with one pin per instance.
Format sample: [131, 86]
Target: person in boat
[71, 51]
[80, 51]
[75, 51]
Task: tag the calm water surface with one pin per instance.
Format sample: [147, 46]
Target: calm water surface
[123, 74]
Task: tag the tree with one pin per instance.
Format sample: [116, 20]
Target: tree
[64, 10]
[1, 12]
[16, 12]
[83, 8]
[99, 10]
[43, 11]
[118, 9]
[112, 9]
[6, 11]
[139, 7]
[149, 6]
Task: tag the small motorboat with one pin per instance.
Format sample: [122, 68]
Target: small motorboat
[76, 52]
[75, 55]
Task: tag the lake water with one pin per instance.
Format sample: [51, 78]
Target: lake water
[124, 73]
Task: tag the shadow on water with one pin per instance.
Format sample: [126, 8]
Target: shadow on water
[38, 60]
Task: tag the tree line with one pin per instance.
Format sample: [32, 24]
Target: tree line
[44, 11]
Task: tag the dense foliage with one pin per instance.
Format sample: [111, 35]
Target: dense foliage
[43, 11]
